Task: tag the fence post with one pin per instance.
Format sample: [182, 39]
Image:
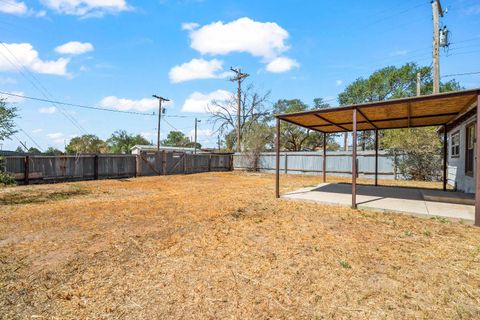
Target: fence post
[138, 166]
[27, 169]
[286, 163]
[164, 163]
[95, 167]
[209, 162]
[184, 162]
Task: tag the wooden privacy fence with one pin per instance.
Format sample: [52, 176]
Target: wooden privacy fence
[339, 163]
[44, 169]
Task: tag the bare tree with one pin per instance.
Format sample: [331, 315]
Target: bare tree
[252, 109]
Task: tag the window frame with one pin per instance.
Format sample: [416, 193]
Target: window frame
[470, 167]
[456, 146]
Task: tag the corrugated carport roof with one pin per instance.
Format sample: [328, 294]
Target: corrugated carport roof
[431, 110]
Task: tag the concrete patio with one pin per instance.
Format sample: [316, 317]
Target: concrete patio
[414, 201]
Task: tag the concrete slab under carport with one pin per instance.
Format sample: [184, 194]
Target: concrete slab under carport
[414, 201]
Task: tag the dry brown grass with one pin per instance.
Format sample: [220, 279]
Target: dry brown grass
[219, 245]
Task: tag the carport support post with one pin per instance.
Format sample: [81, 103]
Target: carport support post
[324, 169]
[277, 159]
[354, 160]
[376, 157]
[477, 167]
[445, 149]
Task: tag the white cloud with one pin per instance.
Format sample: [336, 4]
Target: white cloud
[7, 81]
[13, 99]
[13, 7]
[147, 135]
[398, 53]
[57, 137]
[25, 55]
[282, 64]
[49, 110]
[74, 47]
[190, 25]
[472, 10]
[197, 69]
[39, 130]
[338, 83]
[201, 133]
[261, 39]
[200, 102]
[145, 104]
[87, 8]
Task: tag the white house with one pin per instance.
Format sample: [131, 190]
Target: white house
[461, 152]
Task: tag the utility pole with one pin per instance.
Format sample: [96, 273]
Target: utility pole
[239, 76]
[436, 11]
[218, 141]
[419, 79]
[195, 145]
[160, 111]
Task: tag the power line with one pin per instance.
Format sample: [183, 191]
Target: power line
[75, 105]
[461, 74]
[42, 88]
[33, 140]
[171, 126]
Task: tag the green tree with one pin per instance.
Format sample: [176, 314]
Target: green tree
[51, 151]
[33, 150]
[122, 142]
[178, 139]
[87, 143]
[416, 152]
[7, 114]
[389, 83]
[256, 140]
[296, 138]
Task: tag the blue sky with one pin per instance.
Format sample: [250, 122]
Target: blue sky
[117, 53]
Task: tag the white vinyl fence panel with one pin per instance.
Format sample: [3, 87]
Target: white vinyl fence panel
[339, 163]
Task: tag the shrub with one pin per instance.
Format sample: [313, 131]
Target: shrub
[6, 179]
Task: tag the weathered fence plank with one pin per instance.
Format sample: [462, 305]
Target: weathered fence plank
[42, 169]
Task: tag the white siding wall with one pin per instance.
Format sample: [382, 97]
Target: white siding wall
[456, 165]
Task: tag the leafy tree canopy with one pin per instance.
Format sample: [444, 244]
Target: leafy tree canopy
[87, 143]
[296, 138]
[178, 139]
[7, 114]
[122, 142]
[33, 150]
[51, 151]
[390, 83]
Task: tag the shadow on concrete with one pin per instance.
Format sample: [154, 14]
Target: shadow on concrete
[401, 192]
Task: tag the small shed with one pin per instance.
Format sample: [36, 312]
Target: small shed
[454, 111]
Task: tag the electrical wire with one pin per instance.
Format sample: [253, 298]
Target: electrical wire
[33, 140]
[76, 105]
[43, 90]
[460, 74]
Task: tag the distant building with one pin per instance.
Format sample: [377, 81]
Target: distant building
[5, 153]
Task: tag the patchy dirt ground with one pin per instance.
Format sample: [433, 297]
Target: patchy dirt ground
[219, 245]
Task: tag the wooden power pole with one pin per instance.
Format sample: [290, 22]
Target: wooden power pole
[160, 111]
[239, 76]
[436, 11]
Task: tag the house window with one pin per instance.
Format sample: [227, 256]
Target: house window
[470, 147]
[455, 145]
